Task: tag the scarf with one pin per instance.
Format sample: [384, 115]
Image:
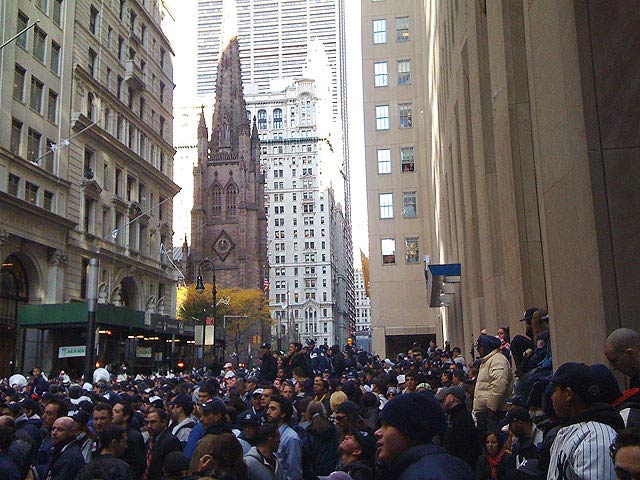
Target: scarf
[494, 462]
[626, 396]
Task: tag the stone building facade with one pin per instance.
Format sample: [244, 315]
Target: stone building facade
[532, 163]
[86, 162]
[228, 221]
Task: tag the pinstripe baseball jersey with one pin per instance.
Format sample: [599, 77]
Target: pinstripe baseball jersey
[581, 452]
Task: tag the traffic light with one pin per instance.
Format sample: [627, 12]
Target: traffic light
[180, 364]
[350, 341]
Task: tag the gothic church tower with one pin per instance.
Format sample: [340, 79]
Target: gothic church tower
[228, 220]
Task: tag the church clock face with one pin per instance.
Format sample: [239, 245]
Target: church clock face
[223, 245]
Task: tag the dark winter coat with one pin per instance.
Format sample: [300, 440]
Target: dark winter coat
[425, 462]
[8, 468]
[107, 467]
[462, 438]
[164, 443]
[65, 463]
[324, 449]
[358, 470]
[505, 467]
[134, 455]
[291, 362]
[268, 367]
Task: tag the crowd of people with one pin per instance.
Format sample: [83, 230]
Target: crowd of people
[339, 413]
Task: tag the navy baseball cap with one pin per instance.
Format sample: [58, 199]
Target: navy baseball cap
[214, 406]
[248, 418]
[579, 377]
[266, 345]
[183, 400]
[528, 313]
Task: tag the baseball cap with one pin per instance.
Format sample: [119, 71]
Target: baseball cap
[251, 378]
[155, 401]
[517, 413]
[183, 400]
[528, 313]
[457, 392]
[214, 406]
[81, 416]
[400, 379]
[258, 391]
[228, 365]
[336, 476]
[175, 463]
[366, 441]
[248, 418]
[348, 407]
[579, 377]
[266, 345]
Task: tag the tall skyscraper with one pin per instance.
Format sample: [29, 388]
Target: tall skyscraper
[228, 222]
[308, 258]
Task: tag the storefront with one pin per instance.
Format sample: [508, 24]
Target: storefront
[54, 337]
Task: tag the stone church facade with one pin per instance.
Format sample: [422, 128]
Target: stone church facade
[228, 219]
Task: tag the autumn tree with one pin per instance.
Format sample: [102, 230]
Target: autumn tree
[246, 312]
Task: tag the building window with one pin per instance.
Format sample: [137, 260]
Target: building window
[91, 108]
[43, 5]
[385, 201]
[39, 42]
[18, 83]
[262, 119]
[33, 145]
[277, 118]
[93, 63]
[37, 88]
[89, 163]
[404, 112]
[122, 9]
[52, 106]
[162, 88]
[404, 72]
[382, 117]
[379, 31]
[47, 203]
[89, 215]
[93, 20]
[384, 160]
[407, 159]
[120, 47]
[409, 204]
[23, 22]
[14, 185]
[380, 74]
[402, 29]
[57, 12]
[31, 193]
[54, 60]
[412, 251]
[47, 161]
[388, 251]
[162, 55]
[216, 200]
[231, 198]
[16, 133]
[162, 125]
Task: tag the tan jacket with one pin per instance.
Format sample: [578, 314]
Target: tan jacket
[494, 383]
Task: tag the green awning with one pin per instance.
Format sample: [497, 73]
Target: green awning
[75, 315]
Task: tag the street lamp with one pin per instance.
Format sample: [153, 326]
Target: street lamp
[205, 265]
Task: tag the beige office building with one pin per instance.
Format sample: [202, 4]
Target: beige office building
[86, 161]
[396, 145]
[532, 167]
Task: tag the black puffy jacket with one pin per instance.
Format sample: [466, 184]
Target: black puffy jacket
[106, 467]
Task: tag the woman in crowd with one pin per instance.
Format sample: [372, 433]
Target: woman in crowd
[324, 439]
[496, 462]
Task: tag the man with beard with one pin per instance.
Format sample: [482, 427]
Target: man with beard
[290, 450]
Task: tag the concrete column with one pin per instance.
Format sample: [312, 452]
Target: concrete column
[54, 291]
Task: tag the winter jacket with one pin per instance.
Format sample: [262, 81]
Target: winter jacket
[298, 359]
[324, 450]
[106, 467]
[8, 468]
[358, 470]
[505, 467]
[268, 367]
[494, 381]
[65, 463]
[163, 444]
[462, 439]
[135, 454]
[259, 469]
[425, 462]
[581, 447]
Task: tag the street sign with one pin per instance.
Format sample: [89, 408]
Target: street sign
[144, 352]
[68, 352]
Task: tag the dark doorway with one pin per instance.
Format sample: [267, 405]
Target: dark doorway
[13, 291]
[396, 344]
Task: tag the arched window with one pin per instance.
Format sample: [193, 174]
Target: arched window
[232, 196]
[277, 118]
[216, 200]
[249, 116]
[13, 291]
[262, 119]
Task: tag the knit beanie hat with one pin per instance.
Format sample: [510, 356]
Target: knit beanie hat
[417, 415]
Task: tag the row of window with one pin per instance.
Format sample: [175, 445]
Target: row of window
[411, 250]
[308, 270]
[36, 94]
[409, 205]
[277, 117]
[407, 160]
[38, 44]
[281, 297]
[307, 183]
[308, 283]
[34, 146]
[381, 73]
[404, 116]
[401, 29]
[230, 199]
[30, 192]
[307, 258]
